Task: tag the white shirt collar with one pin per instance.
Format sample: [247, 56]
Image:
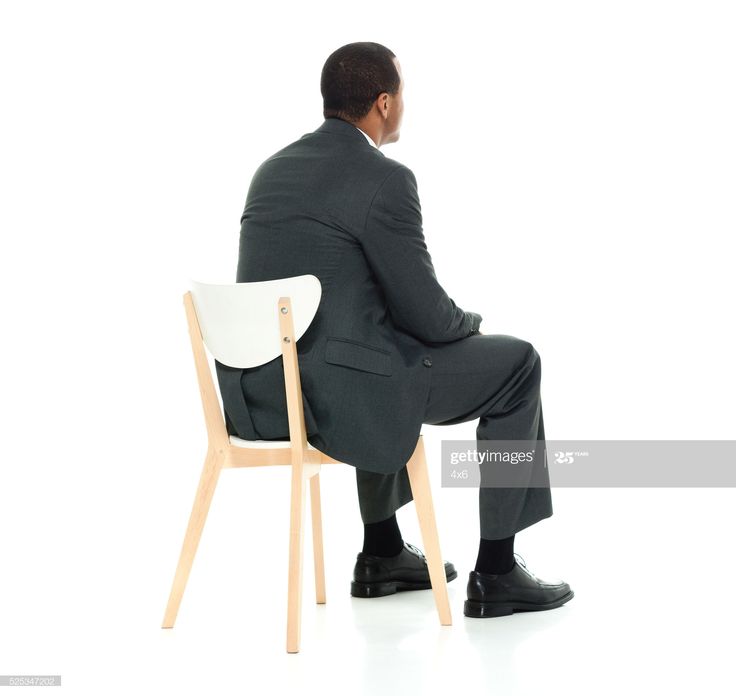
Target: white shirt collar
[368, 137]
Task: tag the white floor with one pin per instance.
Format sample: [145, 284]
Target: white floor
[653, 572]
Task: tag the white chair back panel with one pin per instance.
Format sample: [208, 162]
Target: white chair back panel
[240, 321]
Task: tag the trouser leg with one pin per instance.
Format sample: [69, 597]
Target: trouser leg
[495, 378]
[506, 511]
[380, 495]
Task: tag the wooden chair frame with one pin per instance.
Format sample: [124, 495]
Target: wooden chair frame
[305, 461]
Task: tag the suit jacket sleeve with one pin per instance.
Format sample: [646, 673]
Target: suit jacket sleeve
[394, 245]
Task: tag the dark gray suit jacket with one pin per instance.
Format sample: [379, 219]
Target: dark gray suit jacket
[332, 205]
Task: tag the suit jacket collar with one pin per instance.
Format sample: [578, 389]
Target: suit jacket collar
[342, 128]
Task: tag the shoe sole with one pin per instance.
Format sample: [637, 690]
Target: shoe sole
[381, 589]
[484, 610]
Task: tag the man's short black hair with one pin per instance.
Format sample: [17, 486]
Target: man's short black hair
[353, 77]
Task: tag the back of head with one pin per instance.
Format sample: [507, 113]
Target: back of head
[353, 76]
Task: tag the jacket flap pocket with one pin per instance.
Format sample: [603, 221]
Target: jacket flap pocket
[360, 356]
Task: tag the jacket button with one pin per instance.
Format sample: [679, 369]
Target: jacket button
[427, 362]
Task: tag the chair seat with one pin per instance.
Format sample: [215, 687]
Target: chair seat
[239, 442]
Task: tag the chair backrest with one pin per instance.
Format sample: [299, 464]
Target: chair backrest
[240, 321]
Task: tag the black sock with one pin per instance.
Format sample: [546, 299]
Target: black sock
[495, 556]
[382, 538]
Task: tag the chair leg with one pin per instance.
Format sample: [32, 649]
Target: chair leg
[419, 481]
[319, 558]
[203, 498]
[296, 546]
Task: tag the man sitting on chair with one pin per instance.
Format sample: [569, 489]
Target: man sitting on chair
[388, 349]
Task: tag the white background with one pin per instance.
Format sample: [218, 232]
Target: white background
[576, 171]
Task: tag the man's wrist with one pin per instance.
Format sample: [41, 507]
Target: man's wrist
[476, 319]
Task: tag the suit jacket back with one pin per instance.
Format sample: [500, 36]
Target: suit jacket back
[332, 205]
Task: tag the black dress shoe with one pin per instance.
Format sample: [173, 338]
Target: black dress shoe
[377, 576]
[517, 590]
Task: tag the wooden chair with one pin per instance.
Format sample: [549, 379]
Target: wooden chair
[248, 324]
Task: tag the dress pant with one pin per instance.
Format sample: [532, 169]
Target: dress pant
[495, 378]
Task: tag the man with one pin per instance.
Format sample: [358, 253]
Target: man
[388, 349]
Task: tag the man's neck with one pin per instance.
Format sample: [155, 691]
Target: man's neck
[368, 137]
